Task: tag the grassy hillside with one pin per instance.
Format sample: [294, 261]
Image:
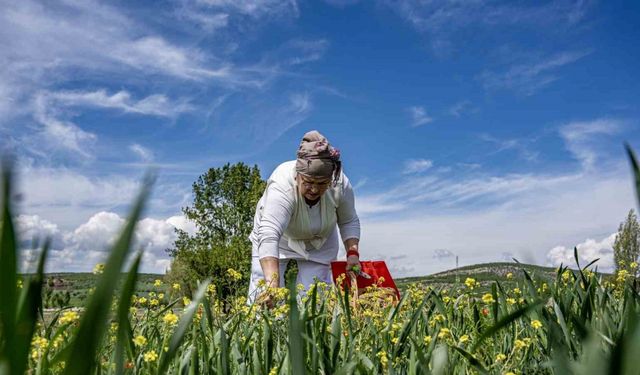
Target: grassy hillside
[484, 273]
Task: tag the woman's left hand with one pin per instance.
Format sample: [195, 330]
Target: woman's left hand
[352, 262]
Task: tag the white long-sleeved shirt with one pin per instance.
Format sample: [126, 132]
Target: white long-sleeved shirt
[277, 206]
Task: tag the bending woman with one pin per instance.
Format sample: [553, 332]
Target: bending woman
[305, 202]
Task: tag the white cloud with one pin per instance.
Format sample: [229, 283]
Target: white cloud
[588, 251]
[142, 152]
[57, 134]
[254, 8]
[182, 223]
[521, 146]
[416, 166]
[461, 107]
[419, 116]
[80, 249]
[581, 138]
[528, 78]
[526, 225]
[157, 105]
[446, 22]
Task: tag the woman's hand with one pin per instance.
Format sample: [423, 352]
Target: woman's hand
[353, 264]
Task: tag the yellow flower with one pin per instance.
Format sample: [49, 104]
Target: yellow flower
[511, 301]
[274, 371]
[500, 357]
[509, 276]
[176, 286]
[394, 340]
[157, 283]
[211, 289]
[488, 298]
[153, 302]
[566, 275]
[470, 283]
[170, 319]
[69, 317]
[509, 373]
[234, 275]
[536, 324]
[383, 358]
[161, 296]
[150, 356]
[444, 332]
[186, 301]
[516, 290]
[633, 265]
[98, 269]
[139, 341]
[19, 284]
[520, 344]
[427, 340]
[142, 301]
[463, 339]
[446, 299]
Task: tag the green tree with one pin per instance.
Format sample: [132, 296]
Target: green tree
[626, 247]
[224, 202]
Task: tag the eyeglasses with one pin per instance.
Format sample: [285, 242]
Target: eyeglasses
[318, 185]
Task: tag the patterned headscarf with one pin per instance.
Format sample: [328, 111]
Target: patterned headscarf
[316, 157]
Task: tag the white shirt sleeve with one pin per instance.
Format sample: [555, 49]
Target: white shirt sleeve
[348, 220]
[276, 212]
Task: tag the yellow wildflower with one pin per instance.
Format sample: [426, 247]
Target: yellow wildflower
[500, 357]
[69, 317]
[157, 283]
[520, 344]
[517, 290]
[463, 339]
[488, 298]
[383, 358]
[511, 301]
[427, 340]
[170, 319]
[509, 276]
[633, 265]
[142, 301]
[176, 286]
[470, 283]
[139, 341]
[161, 296]
[444, 332]
[98, 269]
[536, 324]
[186, 301]
[150, 356]
[234, 275]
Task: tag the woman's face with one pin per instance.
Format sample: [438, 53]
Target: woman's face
[312, 188]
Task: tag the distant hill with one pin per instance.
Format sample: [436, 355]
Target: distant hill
[484, 273]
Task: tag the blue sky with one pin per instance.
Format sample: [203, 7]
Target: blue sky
[483, 129]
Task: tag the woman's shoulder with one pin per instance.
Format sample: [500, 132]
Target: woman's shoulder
[284, 173]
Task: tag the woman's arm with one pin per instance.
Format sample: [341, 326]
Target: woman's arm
[349, 224]
[276, 214]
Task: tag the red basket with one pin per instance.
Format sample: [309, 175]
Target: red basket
[375, 268]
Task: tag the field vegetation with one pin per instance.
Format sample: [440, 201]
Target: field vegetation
[567, 322]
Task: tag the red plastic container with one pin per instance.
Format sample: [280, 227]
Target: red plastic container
[374, 268]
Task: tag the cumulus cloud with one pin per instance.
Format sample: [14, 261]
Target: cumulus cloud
[419, 116]
[416, 165]
[588, 251]
[81, 248]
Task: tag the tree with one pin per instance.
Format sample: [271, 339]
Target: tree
[626, 247]
[224, 202]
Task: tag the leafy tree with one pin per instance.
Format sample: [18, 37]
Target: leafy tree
[224, 202]
[626, 247]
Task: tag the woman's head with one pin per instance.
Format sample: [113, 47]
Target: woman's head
[318, 164]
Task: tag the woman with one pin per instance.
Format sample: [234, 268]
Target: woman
[296, 218]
